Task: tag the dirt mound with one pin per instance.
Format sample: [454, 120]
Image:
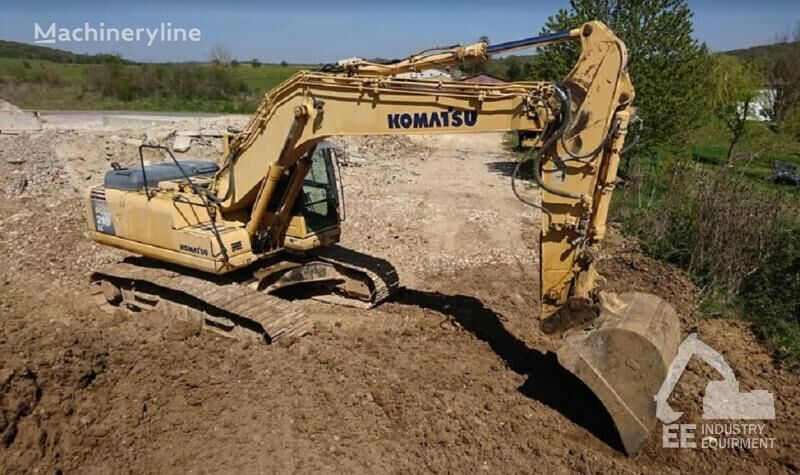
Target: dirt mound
[629, 270]
[445, 379]
[378, 150]
[13, 120]
[8, 107]
[19, 394]
[453, 375]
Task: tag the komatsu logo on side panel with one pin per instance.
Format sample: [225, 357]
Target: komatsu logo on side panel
[194, 250]
[428, 120]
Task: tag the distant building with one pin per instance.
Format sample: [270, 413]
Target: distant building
[762, 105]
[483, 78]
[432, 74]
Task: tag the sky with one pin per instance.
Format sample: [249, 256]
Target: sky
[316, 31]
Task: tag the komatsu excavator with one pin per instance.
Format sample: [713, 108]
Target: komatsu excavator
[219, 243]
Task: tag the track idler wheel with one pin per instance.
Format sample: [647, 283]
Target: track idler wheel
[623, 357]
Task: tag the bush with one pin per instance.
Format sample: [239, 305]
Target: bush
[712, 223]
[771, 294]
[22, 72]
[793, 124]
[128, 83]
[738, 239]
[46, 76]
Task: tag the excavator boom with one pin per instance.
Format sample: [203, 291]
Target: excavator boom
[217, 236]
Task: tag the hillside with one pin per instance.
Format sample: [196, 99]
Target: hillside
[500, 66]
[762, 52]
[16, 50]
[105, 81]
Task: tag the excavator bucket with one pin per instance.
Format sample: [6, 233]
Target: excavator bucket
[623, 357]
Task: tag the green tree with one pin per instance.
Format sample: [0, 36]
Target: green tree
[668, 66]
[255, 63]
[527, 70]
[514, 71]
[220, 55]
[735, 86]
[793, 123]
[783, 77]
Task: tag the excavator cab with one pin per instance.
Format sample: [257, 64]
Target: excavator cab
[318, 210]
[320, 197]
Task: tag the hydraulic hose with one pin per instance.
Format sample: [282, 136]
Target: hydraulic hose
[564, 97]
[231, 184]
[567, 117]
[635, 139]
[536, 161]
[201, 192]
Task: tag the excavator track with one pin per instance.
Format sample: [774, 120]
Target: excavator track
[222, 306]
[334, 275]
[381, 274]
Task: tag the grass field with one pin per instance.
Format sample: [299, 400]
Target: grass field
[41, 84]
[46, 84]
[758, 150]
[267, 76]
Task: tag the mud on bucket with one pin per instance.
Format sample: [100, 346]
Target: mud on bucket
[623, 357]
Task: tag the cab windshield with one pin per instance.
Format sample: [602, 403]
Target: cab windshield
[319, 192]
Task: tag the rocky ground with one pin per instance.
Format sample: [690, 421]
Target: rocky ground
[452, 375]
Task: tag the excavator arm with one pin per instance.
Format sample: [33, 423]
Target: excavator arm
[232, 222]
[445, 57]
[578, 161]
[316, 107]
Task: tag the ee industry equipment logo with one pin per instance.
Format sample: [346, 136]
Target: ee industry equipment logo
[722, 403]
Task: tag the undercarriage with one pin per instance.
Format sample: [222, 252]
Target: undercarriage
[253, 304]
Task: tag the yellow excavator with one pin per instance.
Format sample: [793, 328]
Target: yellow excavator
[219, 243]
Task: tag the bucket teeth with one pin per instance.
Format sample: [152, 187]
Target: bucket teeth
[623, 357]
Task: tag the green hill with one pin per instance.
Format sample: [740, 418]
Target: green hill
[767, 53]
[16, 50]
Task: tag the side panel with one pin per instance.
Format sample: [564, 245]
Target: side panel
[128, 220]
